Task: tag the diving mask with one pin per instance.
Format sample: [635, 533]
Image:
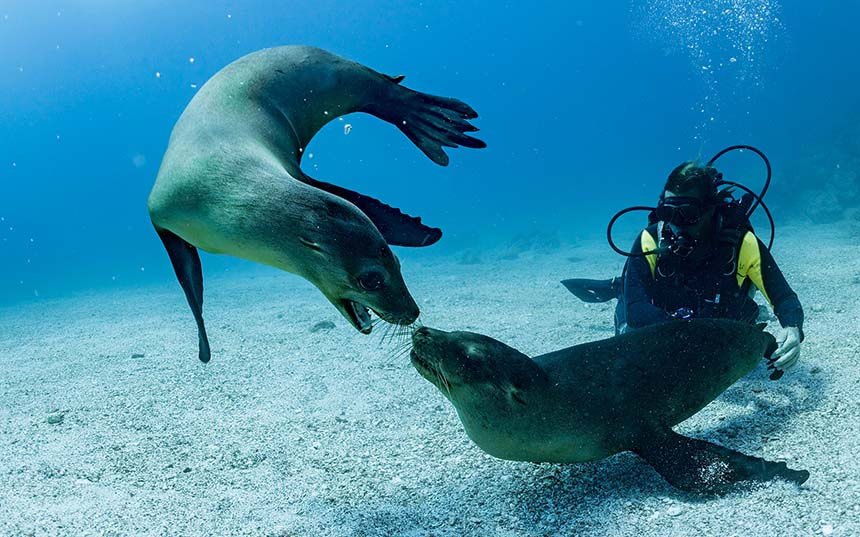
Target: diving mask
[680, 210]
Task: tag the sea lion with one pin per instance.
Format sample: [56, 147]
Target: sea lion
[593, 400]
[230, 181]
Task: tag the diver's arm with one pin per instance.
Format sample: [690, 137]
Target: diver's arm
[637, 280]
[770, 281]
[786, 305]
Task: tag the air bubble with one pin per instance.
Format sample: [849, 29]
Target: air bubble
[717, 36]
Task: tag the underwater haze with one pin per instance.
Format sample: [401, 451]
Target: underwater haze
[585, 108]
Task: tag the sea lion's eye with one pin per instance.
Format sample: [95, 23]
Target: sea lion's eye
[370, 281]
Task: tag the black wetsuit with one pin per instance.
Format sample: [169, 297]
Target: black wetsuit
[718, 285]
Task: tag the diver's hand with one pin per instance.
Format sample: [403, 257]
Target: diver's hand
[788, 351]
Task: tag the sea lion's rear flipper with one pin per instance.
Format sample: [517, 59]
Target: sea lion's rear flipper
[430, 121]
[702, 467]
[186, 264]
[397, 228]
[594, 290]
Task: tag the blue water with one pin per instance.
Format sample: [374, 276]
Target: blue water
[585, 108]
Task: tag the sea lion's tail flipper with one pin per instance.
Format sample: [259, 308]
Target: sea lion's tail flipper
[186, 264]
[594, 290]
[430, 121]
[397, 228]
[702, 467]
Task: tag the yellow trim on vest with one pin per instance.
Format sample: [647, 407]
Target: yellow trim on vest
[648, 244]
[749, 263]
[749, 260]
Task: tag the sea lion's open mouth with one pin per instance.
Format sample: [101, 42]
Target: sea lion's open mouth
[359, 315]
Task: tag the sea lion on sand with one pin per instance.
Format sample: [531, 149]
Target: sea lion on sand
[230, 180]
[593, 400]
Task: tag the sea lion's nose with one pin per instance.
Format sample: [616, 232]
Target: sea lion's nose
[424, 333]
[411, 312]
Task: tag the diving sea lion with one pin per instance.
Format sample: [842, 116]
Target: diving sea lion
[593, 400]
[230, 180]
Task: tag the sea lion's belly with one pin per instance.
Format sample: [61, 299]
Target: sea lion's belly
[234, 200]
[546, 436]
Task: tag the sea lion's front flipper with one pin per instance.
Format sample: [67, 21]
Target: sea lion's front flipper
[186, 264]
[397, 228]
[702, 467]
[430, 121]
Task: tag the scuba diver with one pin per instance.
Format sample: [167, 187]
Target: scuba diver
[699, 257]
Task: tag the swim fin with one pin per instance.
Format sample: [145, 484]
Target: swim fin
[594, 290]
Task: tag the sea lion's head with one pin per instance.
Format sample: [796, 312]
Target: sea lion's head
[349, 261]
[478, 374]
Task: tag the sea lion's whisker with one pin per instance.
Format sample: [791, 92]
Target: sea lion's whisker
[397, 352]
[385, 332]
[402, 344]
[402, 352]
[444, 382]
[391, 333]
[385, 337]
[404, 334]
[397, 336]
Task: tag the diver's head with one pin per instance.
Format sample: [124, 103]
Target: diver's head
[689, 200]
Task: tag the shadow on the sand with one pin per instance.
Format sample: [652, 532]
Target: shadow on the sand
[772, 404]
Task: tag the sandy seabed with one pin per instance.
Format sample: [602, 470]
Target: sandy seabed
[109, 425]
